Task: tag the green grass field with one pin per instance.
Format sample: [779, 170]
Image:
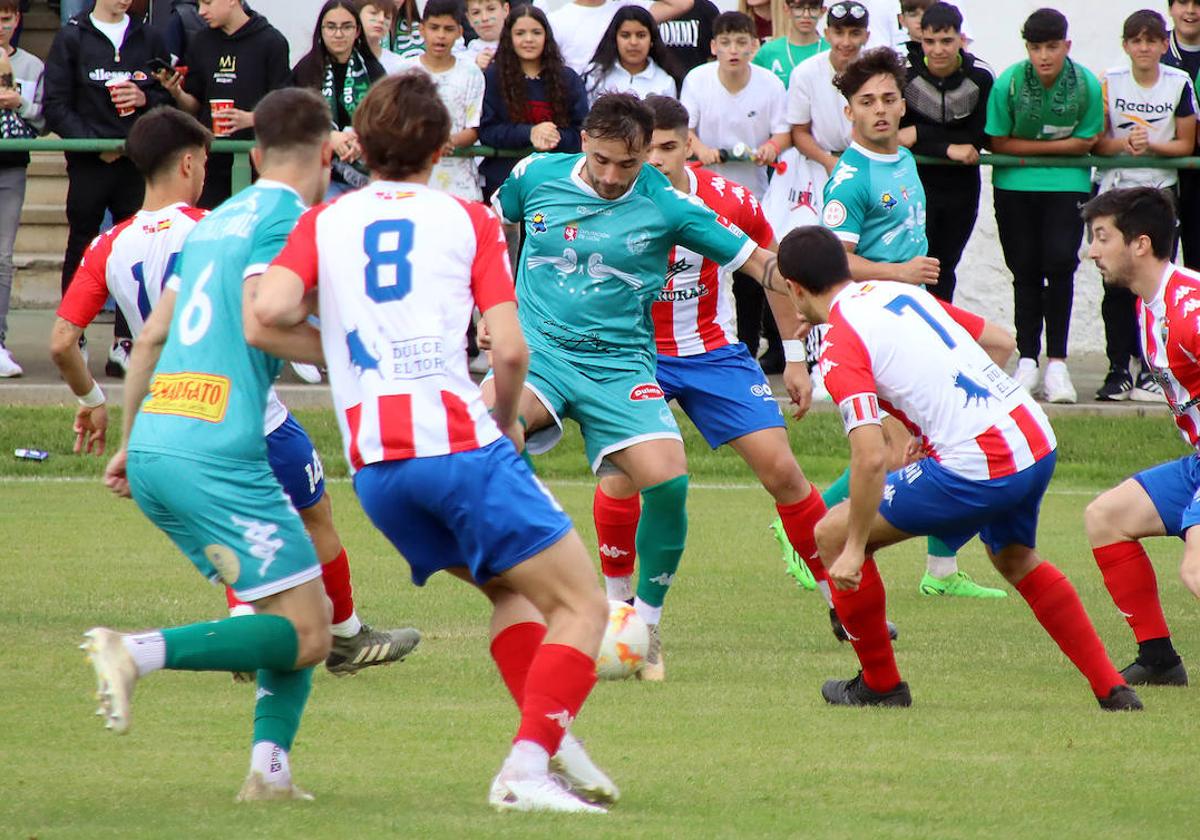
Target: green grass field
[1003, 739]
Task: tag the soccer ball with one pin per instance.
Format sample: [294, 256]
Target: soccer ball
[626, 643]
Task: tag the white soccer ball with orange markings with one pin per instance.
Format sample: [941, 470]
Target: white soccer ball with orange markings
[626, 642]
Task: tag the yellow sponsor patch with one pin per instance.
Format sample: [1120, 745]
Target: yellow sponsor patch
[201, 396]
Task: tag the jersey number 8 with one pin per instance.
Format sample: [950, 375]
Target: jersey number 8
[387, 244]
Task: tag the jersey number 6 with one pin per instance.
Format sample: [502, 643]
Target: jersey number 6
[387, 244]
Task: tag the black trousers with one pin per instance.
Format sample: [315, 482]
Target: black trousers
[1120, 327]
[754, 318]
[93, 187]
[1040, 234]
[950, 214]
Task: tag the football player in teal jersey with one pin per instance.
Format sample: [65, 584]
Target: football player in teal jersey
[194, 458]
[599, 227]
[875, 204]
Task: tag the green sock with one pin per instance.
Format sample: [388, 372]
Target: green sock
[661, 534]
[937, 548]
[244, 643]
[282, 696]
[839, 491]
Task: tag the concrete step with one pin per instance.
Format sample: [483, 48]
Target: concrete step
[46, 191]
[42, 238]
[38, 27]
[37, 280]
[47, 164]
[43, 214]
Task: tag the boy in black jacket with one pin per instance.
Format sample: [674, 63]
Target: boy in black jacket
[97, 84]
[946, 93]
[240, 57]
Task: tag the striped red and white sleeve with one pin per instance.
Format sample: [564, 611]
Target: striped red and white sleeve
[969, 321]
[846, 368]
[491, 273]
[88, 291]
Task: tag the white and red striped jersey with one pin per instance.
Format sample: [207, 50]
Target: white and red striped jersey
[895, 347]
[1170, 330]
[694, 311]
[398, 268]
[132, 261]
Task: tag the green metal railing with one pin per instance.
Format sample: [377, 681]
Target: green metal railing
[241, 152]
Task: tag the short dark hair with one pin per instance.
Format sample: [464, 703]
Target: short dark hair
[12, 6]
[160, 136]
[813, 257]
[1138, 211]
[733, 23]
[1145, 21]
[669, 113]
[443, 8]
[291, 118]
[1045, 25]
[401, 123]
[915, 5]
[942, 17]
[881, 61]
[620, 116]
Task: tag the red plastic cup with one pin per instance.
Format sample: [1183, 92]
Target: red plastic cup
[112, 85]
[221, 124]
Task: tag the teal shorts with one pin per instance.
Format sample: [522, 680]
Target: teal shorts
[233, 522]
[615, 409]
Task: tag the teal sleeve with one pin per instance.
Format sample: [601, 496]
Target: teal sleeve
[269, 239]
[1092, 122]
[509, 200]
[846, 201]
[999, 111]
[696, 227]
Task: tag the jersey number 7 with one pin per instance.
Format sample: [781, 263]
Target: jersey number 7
[898, 304]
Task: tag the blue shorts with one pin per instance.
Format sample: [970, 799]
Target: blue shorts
[926, 499]
[296, 464]
[724, 392]
[482, 509]
[1174, 487]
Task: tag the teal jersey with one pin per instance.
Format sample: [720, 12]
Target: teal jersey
[877, 203]
[591, 267]
[209, 391]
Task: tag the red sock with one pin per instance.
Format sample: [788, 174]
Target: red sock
[863, 613]
[559, 680]
[616, 532]
[232, 600]
[1134, 588]
[513, 649]
[336, 576]
[799, 520]
[1057, 607]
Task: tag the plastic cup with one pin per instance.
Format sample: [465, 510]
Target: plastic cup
[112, 85]
[221, 124]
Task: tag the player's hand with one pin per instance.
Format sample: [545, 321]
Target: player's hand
[705, 154]
[10, 100]
[799, 387]
[483, 338]
[963, 153]
[914, 451]
[846, 571]
[516, 433]
[920, 270]
[91, 430]
[115, 478]
[484, 58]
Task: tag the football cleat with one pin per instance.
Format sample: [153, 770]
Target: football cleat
[370, 647]
[1121, 699]
[583, 777]
[653, 669]
[258, 789]
[839, 632]
[540, 793]
[855, 692]
[1138, 673]
[958, 585]
[791, 558]
[116, 675]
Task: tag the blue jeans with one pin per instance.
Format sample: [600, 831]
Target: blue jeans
[12, 197]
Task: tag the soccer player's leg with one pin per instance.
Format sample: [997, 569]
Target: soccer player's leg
[1151, 504]
[297, 466]
[1010, 539]
[543, 403]
[617, 511]
[484, 517]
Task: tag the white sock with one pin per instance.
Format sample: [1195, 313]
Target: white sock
[348, 628]
[149, 651]
[823, 585]
[271, 760]
[619, 588]
[940, 567]
[240, 610]
[528, 760]
[647, 613]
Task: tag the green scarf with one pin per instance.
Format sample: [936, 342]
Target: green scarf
[354, 86]
[1041, 114]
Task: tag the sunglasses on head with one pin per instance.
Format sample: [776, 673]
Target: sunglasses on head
[839, 11]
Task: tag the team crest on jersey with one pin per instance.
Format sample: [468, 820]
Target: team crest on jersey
[571, 233]
[648, 391]
[972, 389]
[537, 222]
[887, 201]
[637, 242]
[835, 214]
[361, 357]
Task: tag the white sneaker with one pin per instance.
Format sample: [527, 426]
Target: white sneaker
[1026, 375]
[586, 780]
[539, 793]
[8, 365]
[820, 392]
[309, 373]
[1057, 384]
[116, 675]
[258, 789]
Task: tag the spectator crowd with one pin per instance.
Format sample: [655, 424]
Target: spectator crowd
[757, 84]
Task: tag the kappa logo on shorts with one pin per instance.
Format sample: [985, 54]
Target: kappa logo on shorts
[648, 391]
[261, 538]
[911, 472]
[889, 493]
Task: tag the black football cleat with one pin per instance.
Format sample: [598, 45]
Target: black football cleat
[1139, 673]
[855, 692]
[1121, 699]
[839, 632]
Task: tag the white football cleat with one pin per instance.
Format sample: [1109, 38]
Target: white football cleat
[538, 793]
[653, 669]
[116, 675]
[258, 789]
[583, 777]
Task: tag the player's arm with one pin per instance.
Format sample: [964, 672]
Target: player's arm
[277, 323]
[996, 341]
[868, 471]
[917, 271]
[510, 361]
[662, 10]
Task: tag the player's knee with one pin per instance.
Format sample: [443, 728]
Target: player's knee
[1100, 520]
[782, 478]
[829, 538]
[313, 641]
